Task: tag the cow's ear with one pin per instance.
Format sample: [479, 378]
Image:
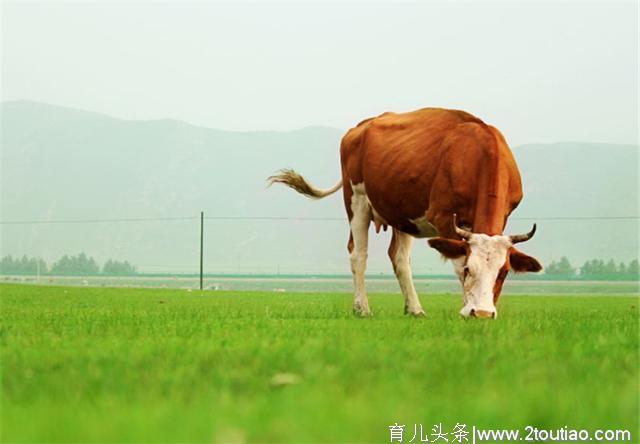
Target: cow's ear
[449, 248]
[520, 262]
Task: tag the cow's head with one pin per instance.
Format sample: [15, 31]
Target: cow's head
[482, 262]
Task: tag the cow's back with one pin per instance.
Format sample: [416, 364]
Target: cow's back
[398, 158]
[397, 136]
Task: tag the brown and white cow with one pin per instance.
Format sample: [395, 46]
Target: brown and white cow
[437, 173]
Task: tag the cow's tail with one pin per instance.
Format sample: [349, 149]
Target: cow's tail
[294, 180]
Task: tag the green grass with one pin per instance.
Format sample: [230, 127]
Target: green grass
[89, 364]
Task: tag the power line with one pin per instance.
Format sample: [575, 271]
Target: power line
[273, 218]
[578, 218]
[91, 221]
[296, 218]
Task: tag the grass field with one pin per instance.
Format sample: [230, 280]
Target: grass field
[89, 364]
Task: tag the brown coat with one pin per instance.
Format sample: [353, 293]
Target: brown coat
[432, 162]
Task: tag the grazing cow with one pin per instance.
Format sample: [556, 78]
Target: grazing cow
[436, 173]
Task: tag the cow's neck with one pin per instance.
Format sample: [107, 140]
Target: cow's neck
[489, 222]
[491, 201]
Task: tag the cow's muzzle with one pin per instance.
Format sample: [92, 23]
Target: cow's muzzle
[471, 311]
[482, 314]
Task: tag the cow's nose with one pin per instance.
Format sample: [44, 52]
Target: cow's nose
[484, 314]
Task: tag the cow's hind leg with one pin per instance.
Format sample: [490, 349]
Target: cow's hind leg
[358, 246]
[400, 254]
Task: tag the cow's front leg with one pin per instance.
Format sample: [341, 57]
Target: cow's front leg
[400, 254]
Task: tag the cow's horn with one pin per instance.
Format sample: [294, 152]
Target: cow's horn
[523, 237]
[461, 232]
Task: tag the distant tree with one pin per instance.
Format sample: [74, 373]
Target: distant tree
[611, 268]
[586, 269]
[62, 266]
[622, 269]
[561, 268]
[39, 265]
[24, 265]
[597, 268]
[80, 264]
[88, 265]
[119, 268]
[594, 267]
[633, 269]
[7, 265]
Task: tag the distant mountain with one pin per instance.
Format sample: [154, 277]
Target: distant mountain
[65, 164]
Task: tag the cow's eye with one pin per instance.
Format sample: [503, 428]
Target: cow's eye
[465, 271]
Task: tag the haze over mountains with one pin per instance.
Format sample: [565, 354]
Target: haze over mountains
[66, 164]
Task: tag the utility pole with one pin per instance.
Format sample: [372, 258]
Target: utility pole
[201, 245]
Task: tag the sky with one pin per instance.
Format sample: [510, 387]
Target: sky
[540, 71]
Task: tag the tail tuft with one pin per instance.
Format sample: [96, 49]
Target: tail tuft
[294, 180]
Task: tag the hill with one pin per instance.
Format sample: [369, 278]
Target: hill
[66, 164]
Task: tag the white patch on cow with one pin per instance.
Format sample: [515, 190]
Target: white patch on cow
[487, 256]
[359, 225]
[458, 266]
[425, 229]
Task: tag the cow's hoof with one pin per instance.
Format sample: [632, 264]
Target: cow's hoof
[415, 312]
[362, 312]
[419, 313]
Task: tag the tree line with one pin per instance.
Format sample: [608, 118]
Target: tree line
[594, 268]
[80, 264]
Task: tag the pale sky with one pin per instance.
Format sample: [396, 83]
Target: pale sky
[539, 71]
